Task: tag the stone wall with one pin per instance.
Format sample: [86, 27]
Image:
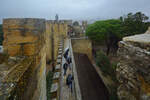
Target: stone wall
[23, 36]
[78, 95]
[82, 45]
[48, 41]
[23, 75]
[133, 70]
[59, 30]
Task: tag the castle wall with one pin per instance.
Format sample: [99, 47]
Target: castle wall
[59, 30]
[48, 41]
[82, 46]
[133, 72]
[24, 77]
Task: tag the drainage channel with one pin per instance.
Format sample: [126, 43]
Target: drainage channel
[91, 85]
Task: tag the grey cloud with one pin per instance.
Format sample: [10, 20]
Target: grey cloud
[71, 9]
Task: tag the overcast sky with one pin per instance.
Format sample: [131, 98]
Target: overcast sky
[71, 9]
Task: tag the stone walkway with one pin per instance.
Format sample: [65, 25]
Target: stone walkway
[65, 92]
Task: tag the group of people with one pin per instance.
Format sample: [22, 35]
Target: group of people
[67, 64]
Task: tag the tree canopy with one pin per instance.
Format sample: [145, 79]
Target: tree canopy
[102, 30]
[134, 23]
[105, 31]
[111, 31]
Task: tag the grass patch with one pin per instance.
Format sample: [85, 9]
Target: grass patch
[49, 84]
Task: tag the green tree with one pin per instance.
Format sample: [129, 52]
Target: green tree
[134, 23]
[106, 31]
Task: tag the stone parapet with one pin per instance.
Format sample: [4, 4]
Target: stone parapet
[78, 95]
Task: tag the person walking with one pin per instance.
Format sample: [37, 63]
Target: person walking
[69, 61]
[65, 66]
[69, 81]
[66, 53]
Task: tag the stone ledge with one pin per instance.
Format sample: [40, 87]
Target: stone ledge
[56, 75]
[54, 90]
[59, 61]
[60, 52]
[59, 56]
[60, 49]
[60, 46]
[142, 38]
[57, 67]
[18, 71]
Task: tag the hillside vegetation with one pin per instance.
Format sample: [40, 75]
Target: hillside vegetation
[105, 35]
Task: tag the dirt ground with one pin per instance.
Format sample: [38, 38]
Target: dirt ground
[91, 85]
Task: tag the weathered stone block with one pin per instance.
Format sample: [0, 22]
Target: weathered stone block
[54, 90]
[60, 49]
[59, 56]
[26, 32]
[30, 49]
[60, 52]
[59, 61]
[57, 68]
[56, 77]
[14, 50]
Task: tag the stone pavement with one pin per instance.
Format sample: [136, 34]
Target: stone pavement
[65, 92]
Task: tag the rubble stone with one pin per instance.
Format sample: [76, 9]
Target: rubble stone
[134, 68]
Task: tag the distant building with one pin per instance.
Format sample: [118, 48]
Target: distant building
[56, 18]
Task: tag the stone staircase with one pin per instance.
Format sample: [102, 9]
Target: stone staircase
[55, 89]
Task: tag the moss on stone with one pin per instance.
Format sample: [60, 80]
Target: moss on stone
[48, 84]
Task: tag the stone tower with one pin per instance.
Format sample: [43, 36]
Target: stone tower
[56, 18]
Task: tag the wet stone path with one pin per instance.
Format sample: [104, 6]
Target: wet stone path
[65, 92]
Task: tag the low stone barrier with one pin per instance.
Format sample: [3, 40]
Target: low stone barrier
[76, 82]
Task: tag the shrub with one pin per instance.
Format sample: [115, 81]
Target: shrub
[103, 62]
[108, 69]
[113, 94]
